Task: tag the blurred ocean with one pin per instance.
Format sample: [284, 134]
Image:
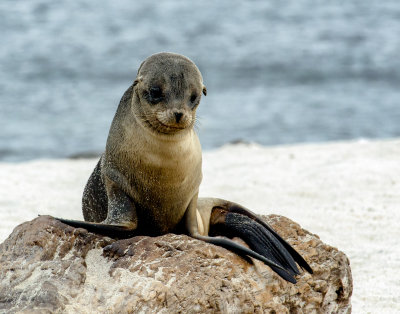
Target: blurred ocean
[276, 72]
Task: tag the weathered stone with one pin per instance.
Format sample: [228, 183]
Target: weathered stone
[46, 266]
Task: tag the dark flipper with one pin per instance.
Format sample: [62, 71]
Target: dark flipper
[296, 256]
[244, 251]
[261, 238]
[113, 231]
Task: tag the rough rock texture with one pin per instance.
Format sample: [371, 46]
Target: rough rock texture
[50, 267]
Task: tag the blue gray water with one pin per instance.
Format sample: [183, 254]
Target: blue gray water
[276, 72]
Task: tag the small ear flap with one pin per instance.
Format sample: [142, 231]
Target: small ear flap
[204, 91]
[138, 79]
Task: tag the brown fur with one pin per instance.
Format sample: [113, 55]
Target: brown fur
[151, 158]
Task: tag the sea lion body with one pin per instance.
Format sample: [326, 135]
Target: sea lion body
[147, 180]
[163, 178]
[159, 171]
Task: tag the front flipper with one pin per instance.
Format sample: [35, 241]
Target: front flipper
[232, 220]
[113, 231]
[121, 220]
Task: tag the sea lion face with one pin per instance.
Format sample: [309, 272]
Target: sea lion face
[168, 90]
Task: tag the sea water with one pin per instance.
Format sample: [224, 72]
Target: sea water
[276, 72]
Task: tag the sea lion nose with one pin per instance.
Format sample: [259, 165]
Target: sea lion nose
[178, 116]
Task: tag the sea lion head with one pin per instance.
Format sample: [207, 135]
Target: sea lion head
[167, 92]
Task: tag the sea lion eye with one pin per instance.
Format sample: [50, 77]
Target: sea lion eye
[155, 94]
[193, 98]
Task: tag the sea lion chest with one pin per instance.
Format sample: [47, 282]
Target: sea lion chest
[164, 176]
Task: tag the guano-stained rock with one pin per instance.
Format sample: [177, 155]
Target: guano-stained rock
[47, 266]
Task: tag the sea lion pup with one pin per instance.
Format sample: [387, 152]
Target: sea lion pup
[147, 180]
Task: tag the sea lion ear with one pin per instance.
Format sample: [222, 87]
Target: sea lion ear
[204, 91]
[138, 79]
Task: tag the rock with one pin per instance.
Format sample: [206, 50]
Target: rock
[46, 266]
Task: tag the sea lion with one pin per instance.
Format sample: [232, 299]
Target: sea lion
[147, 180]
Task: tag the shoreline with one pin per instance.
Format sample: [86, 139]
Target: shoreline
[93, 154]
[346, 192]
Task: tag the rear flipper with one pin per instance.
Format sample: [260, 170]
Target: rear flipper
[113, 231]
[232, 220]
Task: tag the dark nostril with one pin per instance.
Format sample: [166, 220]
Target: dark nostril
[178, 116]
